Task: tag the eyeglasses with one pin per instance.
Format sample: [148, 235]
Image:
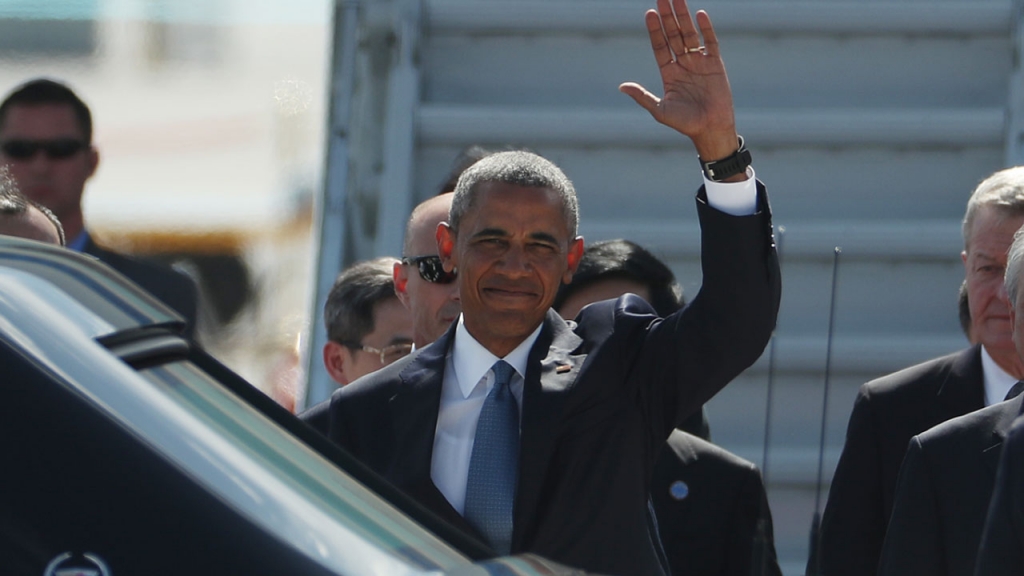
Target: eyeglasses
[57, 149]
[431, 269]
[388, 354]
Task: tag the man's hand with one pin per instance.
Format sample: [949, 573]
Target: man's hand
[698, 100]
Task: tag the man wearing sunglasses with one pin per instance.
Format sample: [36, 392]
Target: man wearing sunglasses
[367, 327]
[46, 140]
[421, 282]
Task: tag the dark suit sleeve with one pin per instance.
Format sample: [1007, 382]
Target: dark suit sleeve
[913, 541]
[752, 549]
[853, 525]
[1002, 542]
[690, 355]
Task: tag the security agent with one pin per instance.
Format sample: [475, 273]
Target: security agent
[46, 140]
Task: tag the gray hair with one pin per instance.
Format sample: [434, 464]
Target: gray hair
[14, 203]
[518, 168]
[1003, 191]
[348, 312]
[1014, 262]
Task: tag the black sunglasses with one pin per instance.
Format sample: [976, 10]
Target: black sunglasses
[431, 269]
[57, 149]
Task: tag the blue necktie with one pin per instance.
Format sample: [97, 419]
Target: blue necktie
[494, 464]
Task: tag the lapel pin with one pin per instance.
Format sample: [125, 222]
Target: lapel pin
[562, 368]
[679, 490]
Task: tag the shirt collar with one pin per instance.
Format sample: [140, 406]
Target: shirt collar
[997, 381]
[472, 360]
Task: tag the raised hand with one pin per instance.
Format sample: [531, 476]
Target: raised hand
[697, 100]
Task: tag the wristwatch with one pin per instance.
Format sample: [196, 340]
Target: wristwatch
[729, 166]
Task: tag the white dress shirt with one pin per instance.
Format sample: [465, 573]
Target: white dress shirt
[468, 377]
[997, 381]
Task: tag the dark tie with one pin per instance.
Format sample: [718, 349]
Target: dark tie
[494, 464]
[1014, 390]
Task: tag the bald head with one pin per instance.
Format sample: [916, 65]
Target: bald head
[434, 304]
[421, 230]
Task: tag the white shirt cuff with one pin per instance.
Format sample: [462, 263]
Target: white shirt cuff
[734, 198]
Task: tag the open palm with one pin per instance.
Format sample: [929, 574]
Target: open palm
[697, 99]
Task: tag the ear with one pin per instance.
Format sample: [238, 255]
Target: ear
[446, 246]
[401, 279]
[93, 159]
[335, 358]
[573, 259]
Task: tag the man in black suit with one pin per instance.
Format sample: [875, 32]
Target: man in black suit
[1002, 541]
[711, 506]
[943, 494]
[46, 139]
[569, 479]
[892, 409]
[1001, 551]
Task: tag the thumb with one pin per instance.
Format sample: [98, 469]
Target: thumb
[641, 96]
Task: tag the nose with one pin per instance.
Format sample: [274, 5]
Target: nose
[515, 262]
[38, 162]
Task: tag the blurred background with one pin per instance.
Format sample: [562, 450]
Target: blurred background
[263, 145]
[209, 118]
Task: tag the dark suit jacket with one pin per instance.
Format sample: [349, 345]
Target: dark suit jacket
[887, 413]
[1002, 542]
[943, 494]
[710, 528]
[170, 287]
[599, 400]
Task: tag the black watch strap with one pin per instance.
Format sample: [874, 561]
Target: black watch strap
[727, 167]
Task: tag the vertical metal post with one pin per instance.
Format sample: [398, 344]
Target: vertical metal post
[396, 193]
[332, 234]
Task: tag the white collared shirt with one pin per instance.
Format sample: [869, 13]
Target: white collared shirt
[467, 381]
[997, 381]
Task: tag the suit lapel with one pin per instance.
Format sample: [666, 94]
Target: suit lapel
[414, 415]
[414, 420]
[550, 374]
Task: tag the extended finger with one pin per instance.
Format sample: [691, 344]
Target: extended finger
[659, 44]
[689, 32]
[671, 27]
[708, 32]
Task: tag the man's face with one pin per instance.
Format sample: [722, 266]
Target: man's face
[512, 251]
[433, 305]
[54, 182]
[392, 326]
[392, 333]
[31, 224]
[984, 264]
